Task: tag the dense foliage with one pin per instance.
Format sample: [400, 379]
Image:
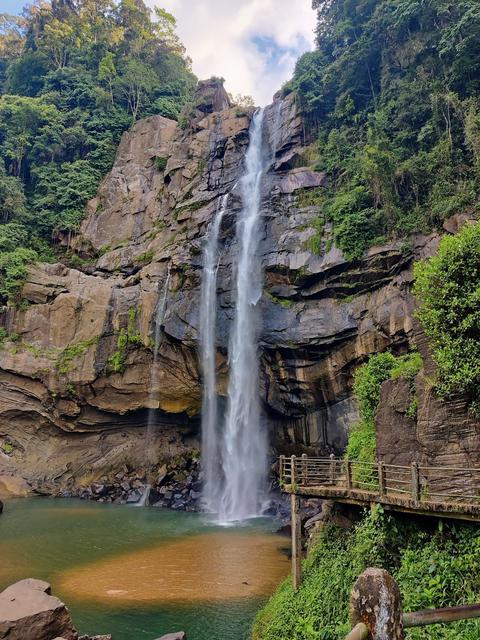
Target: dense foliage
[433, 567]
[74, 74]
[448, 288]
[366, 387]
[393, 92]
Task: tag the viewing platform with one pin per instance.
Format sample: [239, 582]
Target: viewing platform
[443, 492]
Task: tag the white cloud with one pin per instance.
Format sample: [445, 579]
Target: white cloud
[253, 44]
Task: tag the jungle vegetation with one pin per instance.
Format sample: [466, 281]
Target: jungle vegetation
[74, 74]
[391, 96]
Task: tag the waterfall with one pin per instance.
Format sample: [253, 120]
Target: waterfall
[159, 318]
[244, 444]
[208, 312]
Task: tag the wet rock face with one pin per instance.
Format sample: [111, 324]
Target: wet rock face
[75, 381]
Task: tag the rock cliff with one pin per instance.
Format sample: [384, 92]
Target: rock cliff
[76, 371]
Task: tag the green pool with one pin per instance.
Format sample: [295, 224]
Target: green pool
[143, 572]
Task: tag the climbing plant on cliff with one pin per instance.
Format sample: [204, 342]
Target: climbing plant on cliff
[367, 384]
[73, 77]
[392, 96]
[448, 289]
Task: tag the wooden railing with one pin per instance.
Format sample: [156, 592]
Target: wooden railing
[457, 489]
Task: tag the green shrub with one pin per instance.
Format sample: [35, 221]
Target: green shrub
[448, 289]
[433, 569]
[14, 272]
[160, 163]
[367, 383]
[368, 380]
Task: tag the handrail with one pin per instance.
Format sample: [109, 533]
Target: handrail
[418, 484]
[359, 632]
[437, 616]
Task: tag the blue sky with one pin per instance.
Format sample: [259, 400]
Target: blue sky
[11, 6]
[253, 44]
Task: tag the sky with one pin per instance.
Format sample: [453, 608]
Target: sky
[253, 44]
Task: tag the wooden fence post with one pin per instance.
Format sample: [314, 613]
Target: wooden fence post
[381, 479]
[281, 470]
[375, 601]
[415, 482]
[304, 469]
[333, 463]
[348, 474]
[296, 526]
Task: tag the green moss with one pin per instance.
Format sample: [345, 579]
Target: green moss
[434, 567]
[311, 197]
[285, 303]
[65, 361]
[145, 258]
[126, 338]
[3, 336]
[104, 249]
[159, 224]
[7, 448]
[160, 163]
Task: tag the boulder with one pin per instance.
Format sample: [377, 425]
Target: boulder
[179, 635]
[29, 612]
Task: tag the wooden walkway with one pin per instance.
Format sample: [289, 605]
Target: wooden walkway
[445, 492]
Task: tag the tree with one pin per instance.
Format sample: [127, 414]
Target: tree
[107, 72]
[12, 198]
[135, 83]
[21, 121]
[57, 39]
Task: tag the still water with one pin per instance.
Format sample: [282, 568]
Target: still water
[139, 573]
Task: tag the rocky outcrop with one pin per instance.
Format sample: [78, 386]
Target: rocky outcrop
[75, 377]
[441, 433]
[28, 611]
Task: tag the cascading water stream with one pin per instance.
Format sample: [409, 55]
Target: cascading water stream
[244, 444]
[158, 324]
[208, 313]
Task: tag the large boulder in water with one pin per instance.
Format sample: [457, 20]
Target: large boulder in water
[180, 635]
[28, 611]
